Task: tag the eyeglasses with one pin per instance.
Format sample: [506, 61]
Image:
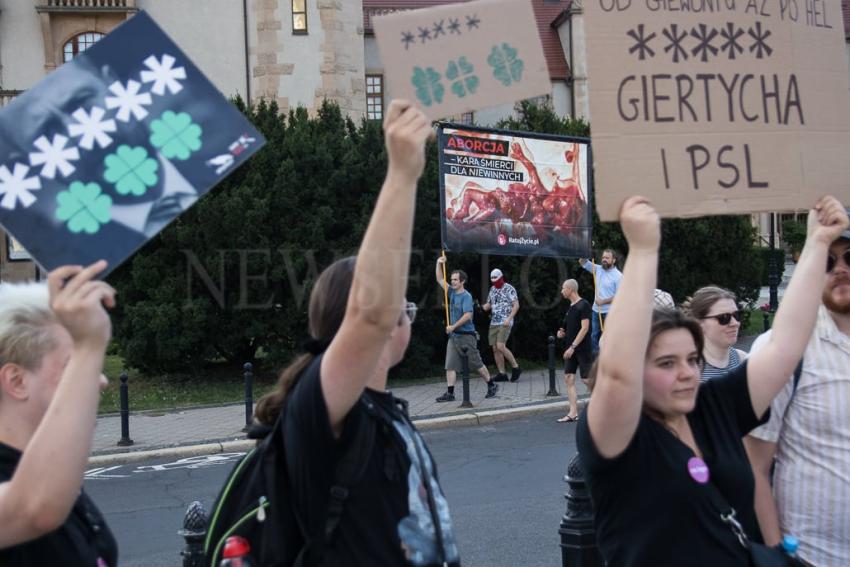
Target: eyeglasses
[725, 318]
[831, 260]
[410, 309]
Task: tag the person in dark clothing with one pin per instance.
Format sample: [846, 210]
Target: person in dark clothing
[578, 355]
[359, 323]
[661, 451]
[53, 340]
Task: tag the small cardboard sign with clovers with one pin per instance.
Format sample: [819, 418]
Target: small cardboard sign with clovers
[463, 57]
[104, 152]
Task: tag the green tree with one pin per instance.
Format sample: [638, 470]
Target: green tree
[231, 277]
[233, 274]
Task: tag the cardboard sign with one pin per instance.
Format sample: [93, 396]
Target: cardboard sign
[463, 57]
[514, 193]
[718, 106]
[104, 152]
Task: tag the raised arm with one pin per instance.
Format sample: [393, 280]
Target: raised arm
[47, 481]
[439, 274]
[615, 405]
[769, 368]
[376, 299]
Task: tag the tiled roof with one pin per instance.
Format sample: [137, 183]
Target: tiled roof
[545, 11]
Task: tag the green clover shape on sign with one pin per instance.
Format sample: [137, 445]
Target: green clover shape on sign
[507, 68]
[429, 89]
[131, 170]
[175, 135]
[462, 86]
[84, 207]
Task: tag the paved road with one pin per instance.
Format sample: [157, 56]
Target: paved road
[503, 482]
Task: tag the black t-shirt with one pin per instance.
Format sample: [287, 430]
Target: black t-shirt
[387, 518]
[84, 540]
[576, 313]
[649, 511]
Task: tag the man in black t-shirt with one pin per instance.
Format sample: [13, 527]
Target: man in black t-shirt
[578, 354]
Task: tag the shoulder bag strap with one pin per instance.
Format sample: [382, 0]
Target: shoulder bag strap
[798, 371]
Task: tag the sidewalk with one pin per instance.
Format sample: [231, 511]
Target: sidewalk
[221, 425]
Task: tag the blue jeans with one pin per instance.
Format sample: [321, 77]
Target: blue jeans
[595, 331]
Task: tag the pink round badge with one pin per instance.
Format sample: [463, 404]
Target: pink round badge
[698, 470]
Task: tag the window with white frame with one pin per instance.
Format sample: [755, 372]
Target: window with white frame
[374, 97]
[80, 43]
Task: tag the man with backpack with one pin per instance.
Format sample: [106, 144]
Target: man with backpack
[808, 435]
[342, 477]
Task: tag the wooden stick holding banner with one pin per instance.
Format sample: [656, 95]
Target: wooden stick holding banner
[445, 289]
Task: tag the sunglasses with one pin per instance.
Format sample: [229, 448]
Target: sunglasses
[725, 318]
[831, 260]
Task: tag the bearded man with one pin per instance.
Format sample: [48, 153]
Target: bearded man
[808, 435]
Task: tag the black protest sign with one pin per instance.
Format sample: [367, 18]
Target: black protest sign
[718, 106]
[514, 193]
[104, 152]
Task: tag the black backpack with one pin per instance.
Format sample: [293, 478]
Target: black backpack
[255, 501]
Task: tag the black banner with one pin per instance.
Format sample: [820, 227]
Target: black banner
[514, 193]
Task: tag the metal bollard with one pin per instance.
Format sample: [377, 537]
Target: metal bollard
[249, 395]
[194, 531]
[553, 391]
[464, 374]
[578, 536]
[125, 440]
[766, 320]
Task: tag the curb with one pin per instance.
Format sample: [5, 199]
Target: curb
[181, 452]
[244, 445]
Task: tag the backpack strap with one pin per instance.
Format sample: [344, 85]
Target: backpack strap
[349, 471]
[351, 468]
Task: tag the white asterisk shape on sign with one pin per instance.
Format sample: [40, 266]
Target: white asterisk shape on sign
[128, 100]
[54, 155]
[163, 75]
[91, 128]
[16, 186]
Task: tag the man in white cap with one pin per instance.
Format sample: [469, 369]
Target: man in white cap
[503, 304]
[808, 435]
